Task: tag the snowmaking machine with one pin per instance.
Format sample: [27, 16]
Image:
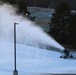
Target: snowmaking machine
[66, 54]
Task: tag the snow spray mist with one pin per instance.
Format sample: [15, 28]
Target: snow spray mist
[27, 32]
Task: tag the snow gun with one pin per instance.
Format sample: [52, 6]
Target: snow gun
[66, 54]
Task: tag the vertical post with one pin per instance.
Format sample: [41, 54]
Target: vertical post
[15, 72]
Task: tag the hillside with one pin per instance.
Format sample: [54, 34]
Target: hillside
[43, 16]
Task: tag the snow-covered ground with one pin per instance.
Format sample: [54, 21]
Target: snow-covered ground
[33, 60]
[43, 16]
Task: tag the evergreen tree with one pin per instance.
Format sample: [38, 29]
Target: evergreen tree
[22, 7]
[12, 1]
[72, 28]
[59, 26]
[9, 1]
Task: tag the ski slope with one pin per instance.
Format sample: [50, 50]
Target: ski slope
[29, 59]
[33, 60]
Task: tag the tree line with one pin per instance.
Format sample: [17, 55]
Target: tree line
[63, 24]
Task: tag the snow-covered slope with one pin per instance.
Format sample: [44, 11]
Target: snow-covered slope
[43, 16]
[33, 60]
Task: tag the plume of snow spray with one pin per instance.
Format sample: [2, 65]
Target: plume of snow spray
[27, 32]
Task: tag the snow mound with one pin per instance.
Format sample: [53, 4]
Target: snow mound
[33, 60]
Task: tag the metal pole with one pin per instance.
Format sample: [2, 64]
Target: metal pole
[15, 72]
